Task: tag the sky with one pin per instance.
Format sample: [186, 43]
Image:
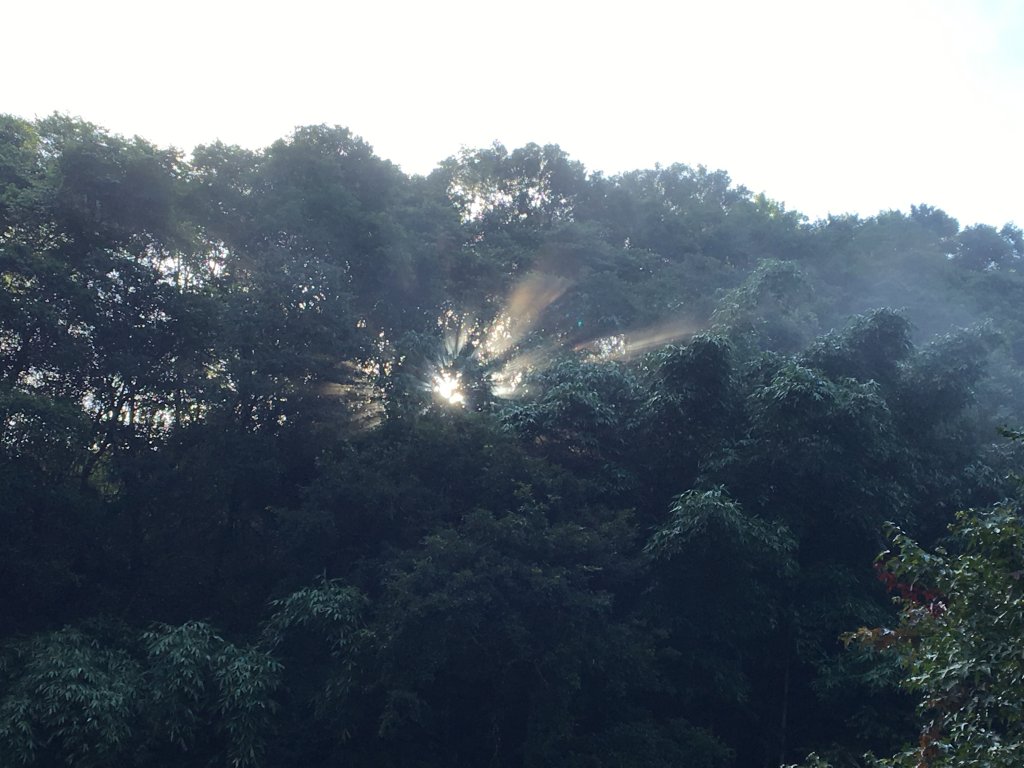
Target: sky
[828, 106]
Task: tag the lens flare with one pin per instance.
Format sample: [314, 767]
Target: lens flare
[447, 386]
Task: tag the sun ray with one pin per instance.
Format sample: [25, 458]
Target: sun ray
[627, 346]
[523, 309]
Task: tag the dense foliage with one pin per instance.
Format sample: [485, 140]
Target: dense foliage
[308, 462]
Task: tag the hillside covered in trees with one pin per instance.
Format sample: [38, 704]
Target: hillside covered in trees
[307, 462]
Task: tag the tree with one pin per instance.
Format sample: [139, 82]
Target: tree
[770, 310]
[502, 642]
[532, 185]
[958, 639]
[935, 220]
[581, 419]
[982, 247]
[713, 561]
[101, 696]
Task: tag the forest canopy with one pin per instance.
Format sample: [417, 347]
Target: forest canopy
[307, 462]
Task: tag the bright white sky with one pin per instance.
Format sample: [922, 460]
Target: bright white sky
[827, 106]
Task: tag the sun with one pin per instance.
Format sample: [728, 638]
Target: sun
[447, 385]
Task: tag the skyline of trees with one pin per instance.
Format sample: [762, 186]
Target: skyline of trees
[242, 526]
